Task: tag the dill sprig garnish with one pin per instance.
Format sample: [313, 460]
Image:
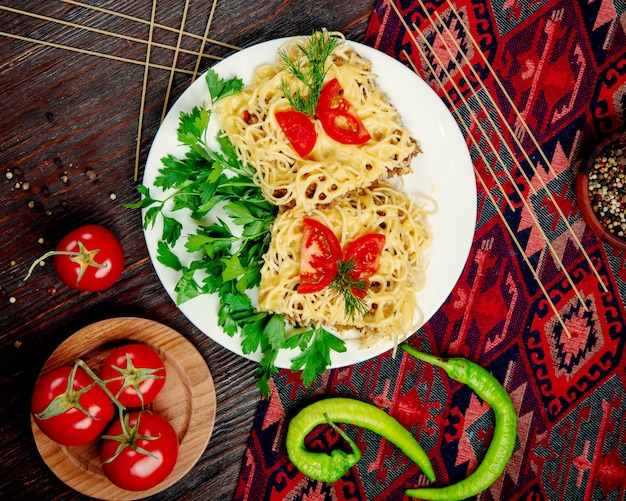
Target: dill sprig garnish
[346, 286]
[310, 69]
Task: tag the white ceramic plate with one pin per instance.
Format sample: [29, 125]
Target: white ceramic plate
[444, 172]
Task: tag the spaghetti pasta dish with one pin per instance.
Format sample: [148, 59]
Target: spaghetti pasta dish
[331, 170]
[328, 167]
[391, 305]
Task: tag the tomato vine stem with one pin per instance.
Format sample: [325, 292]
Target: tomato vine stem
[83, 257]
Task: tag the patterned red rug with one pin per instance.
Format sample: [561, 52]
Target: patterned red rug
[534, 86]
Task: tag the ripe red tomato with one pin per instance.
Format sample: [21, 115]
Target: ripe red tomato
[134, 373]
[143, 455]
[75, 414]
[365, 253]
[319, 253]
[337, 116]
[89, 258]
[299, 129]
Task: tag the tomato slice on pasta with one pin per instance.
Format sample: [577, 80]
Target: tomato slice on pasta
[299, 129]
[320, 255]
[365, 254]
[337, 116]
[320, 252]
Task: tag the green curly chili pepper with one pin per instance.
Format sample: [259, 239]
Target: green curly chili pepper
[502, 444]
[329, 468]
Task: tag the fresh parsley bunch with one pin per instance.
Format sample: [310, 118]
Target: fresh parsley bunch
[226, 261]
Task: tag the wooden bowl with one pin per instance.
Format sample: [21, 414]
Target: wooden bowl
[187, 401]
[585, 203]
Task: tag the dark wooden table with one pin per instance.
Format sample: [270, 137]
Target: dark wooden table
[75, 98]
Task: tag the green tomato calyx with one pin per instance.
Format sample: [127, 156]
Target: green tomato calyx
[128, 438]
[134, 376]
[84, 258]
[69, 399]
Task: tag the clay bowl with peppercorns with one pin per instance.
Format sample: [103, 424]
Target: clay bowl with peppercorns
[601, 191]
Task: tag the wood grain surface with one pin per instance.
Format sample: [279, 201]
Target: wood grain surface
[73, 105]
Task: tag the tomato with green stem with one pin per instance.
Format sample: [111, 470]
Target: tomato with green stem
[89, 258]
[299, 129]
[338, 117]
[134, 373]
[70, 407]
[139, 450]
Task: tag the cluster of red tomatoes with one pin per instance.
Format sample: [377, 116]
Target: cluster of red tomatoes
[73, 406]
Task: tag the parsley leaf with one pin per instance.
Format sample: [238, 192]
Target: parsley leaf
[219, 88]
[187, 288]
[316, 345]
[265, 370]
[166, 257]
[192, 125]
